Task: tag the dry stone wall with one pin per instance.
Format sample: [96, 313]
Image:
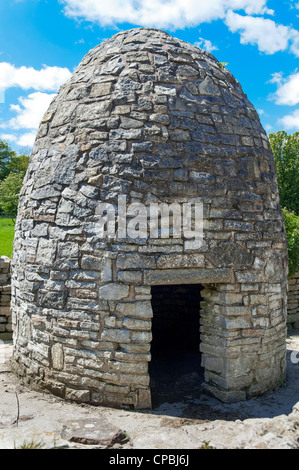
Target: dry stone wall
[158, 120]
[5, 296]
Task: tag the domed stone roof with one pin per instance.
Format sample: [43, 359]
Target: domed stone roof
[147, 119]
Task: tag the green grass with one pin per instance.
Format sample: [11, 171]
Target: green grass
[7, 231]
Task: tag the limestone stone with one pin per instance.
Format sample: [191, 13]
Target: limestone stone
[136, 324]
[57, 356]
[113, 291]
[138, 309]
[5, 299]
[187, 276]
[93, 432]
[116, 335]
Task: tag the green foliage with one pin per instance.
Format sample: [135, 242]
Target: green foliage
[31, 445]
[18, 164]
[12, 171]
[11, 162]
[10, 188]
[285, 148]
[206, 445]
[291, 222]
[6, 154]
[7, 232]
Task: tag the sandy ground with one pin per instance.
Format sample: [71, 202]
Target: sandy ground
[267, 422]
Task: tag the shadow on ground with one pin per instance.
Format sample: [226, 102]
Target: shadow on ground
[195, 404]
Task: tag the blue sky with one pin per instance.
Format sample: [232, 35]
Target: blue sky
[42, 41]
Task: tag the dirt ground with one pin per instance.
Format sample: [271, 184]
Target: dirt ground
[31, 418]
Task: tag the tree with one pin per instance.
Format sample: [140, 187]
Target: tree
[18, 164]
[291, 222]
[10, 188]
[12, 171]
[6, 154]
[285, 148]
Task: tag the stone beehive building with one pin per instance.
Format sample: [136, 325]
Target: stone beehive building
[155, 120]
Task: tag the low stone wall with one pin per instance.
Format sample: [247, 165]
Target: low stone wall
[293, 302]
[5, 295]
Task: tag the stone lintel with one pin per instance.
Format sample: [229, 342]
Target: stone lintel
[187, 276]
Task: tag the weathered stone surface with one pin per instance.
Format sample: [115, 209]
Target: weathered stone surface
[93, 432]
[57, 356]
[116, 335]
[5, 297]
[187, 276]
[159, 121]
[230, 254]
[180, 261]
[113, 291]
[137, 309]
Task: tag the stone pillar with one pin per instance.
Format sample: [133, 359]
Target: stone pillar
[242, 341]
[5, 296]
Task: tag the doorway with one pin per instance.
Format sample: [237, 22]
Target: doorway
[175, 370]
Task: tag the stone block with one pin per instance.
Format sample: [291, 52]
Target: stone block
[187, 276]
[46, 251]
[136, 324]
[180, 261]
[81, 396]
[130, 277]
[230, 254]
[57, 356]
[116, 335]
[113, 291]
[100, 89]
[139, 310]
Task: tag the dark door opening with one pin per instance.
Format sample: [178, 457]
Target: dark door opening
[175, 370]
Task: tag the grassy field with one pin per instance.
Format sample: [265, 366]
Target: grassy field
[7, 231]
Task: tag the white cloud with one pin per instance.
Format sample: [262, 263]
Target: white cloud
[206, 44]
[27, 139]
[28, 116]
[178, 14]
[24, 140]
[287, 92]
[277, 77]
[265, 33]
[159, 13]
[29, 113]
[295, 42]
[46, 79]
[30, 110]
[291, 121]
[9, 137]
